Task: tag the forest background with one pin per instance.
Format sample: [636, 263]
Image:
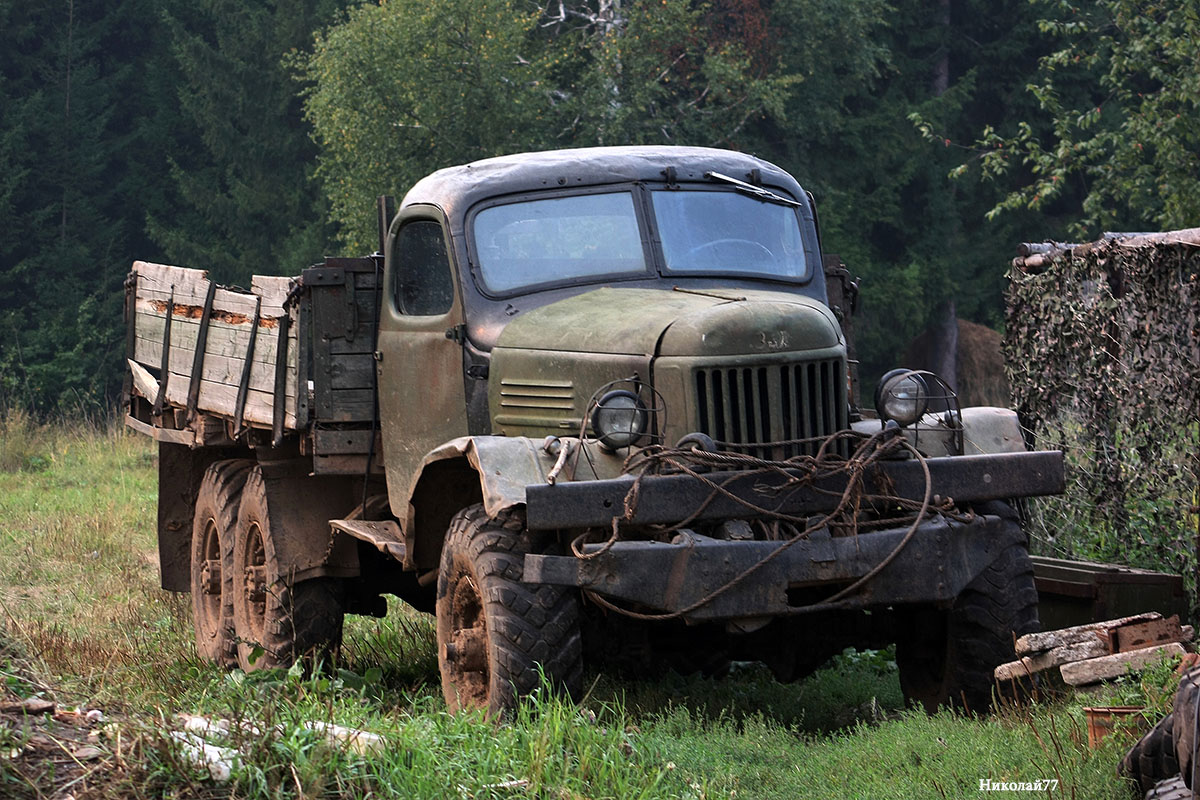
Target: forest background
[252, 136]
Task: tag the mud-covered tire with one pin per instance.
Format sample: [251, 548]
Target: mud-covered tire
[277, 621]
[1186, 713]
[213, 529]
[494, 631]
[947, 658]
[1169, 789]
[1152, 759]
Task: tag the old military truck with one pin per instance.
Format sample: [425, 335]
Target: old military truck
[586, 404]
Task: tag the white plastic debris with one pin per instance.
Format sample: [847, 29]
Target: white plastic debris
[195, 740]
[218, 760]
[361, 742]
[193, 723]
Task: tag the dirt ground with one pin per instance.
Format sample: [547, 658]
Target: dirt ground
[48, 750]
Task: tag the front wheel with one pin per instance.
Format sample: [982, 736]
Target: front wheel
[947, 657]
[277, 621]
[494, 631]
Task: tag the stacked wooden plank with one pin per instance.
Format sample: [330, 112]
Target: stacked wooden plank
[224, 320]
[1087, 654]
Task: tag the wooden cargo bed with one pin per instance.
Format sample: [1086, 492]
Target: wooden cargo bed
[292, 356]
[235, 326]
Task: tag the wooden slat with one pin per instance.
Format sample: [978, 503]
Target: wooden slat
[352, 371]
[227, 341]
[1051, 658]
[143, 381]
[220, 398]
[345, 465]
[1081, 673]
[327, 441]
[1146, 634]
[349, 405]
[272, 289]
[161, 434]
[156, 282]
[222, 369]
[1104, 642]
[1047, 640]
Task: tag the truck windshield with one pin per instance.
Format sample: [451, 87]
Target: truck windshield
[727, 233]
[558, 239]
[598, 237]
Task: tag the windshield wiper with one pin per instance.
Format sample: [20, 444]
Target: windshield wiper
[757, 192]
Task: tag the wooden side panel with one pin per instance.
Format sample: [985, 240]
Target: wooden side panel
[343, 319]
[230, 322]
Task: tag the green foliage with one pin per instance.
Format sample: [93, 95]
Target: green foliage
[23, 442]
[400, 89]
[241, 202]
[74, 147]
[669, 74]
[1153, 688]
[1122, 96]
[918, 239]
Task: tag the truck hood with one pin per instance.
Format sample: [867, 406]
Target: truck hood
[649, 322]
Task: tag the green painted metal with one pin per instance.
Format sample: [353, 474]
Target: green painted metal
[422, 402]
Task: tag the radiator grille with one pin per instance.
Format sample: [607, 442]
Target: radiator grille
[757, 405]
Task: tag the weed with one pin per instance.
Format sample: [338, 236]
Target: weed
[23, 442]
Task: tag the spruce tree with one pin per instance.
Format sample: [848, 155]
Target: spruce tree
[241, 202]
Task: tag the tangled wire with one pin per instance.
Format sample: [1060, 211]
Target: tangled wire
[801, 472]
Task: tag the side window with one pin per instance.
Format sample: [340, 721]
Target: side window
[422, 285]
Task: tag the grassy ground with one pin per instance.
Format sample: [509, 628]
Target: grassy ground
[83, 622]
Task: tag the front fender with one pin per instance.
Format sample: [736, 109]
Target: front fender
[492, 470]
[986, 431]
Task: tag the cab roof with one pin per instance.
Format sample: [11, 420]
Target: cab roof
[456, 189]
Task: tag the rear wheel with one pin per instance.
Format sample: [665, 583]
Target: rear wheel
[277, 621]
[947, 657]
[213, 528]
[494, 631]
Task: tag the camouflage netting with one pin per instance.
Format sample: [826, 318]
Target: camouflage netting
[1103, 355]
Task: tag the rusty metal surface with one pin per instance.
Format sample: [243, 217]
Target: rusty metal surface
[384, 535]
[301, 505]
[670, 577]
[422, 396]
[180, 468]
[493, 470]
[667, 499]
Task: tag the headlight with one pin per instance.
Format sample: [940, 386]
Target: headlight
[902, 395]
[619, 419]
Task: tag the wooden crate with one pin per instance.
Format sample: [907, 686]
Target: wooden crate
[1078, 592]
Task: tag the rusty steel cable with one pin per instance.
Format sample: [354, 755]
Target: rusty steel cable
[799, 471]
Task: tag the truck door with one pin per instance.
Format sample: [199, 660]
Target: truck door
[421, 398]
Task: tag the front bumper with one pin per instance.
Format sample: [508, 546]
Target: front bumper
[934, 567]
[666, 499]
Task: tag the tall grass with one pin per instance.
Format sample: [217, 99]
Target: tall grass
[81, 607]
